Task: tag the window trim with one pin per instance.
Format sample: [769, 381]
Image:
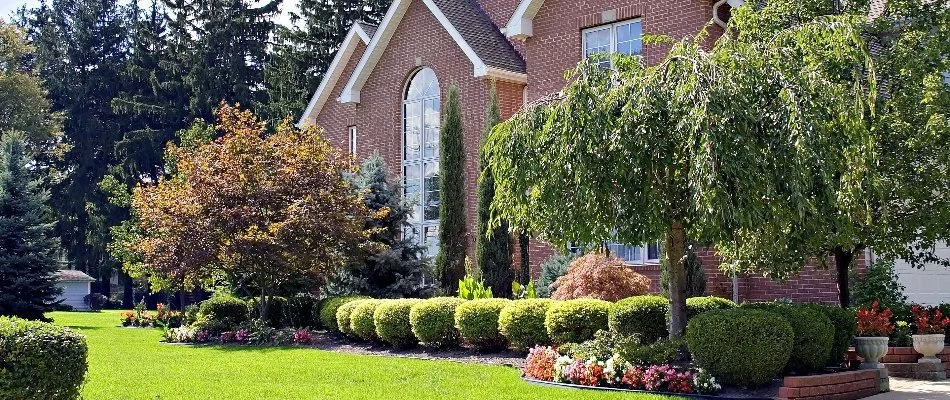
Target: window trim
[420, 161]
[613, 35]
[352, 133]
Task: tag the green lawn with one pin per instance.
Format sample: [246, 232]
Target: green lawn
[133, 364]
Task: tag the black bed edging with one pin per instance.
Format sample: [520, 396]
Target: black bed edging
[610, 389]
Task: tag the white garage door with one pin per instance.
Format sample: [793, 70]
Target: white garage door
[930, 285]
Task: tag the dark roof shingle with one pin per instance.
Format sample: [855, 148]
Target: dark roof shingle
[482, 35]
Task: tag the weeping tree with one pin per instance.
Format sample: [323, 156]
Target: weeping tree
[704, 144]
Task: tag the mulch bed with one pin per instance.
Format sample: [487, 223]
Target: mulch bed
[332, 342]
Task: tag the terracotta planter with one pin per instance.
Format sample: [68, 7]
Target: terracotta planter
[871, 349]
[929, 346]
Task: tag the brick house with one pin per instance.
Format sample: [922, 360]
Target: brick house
[383, 92]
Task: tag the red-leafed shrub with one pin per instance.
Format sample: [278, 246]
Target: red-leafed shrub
[600, 277]
[929, 321]
[874, 322]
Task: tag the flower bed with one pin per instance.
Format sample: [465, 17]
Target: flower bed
[544, 364]
[252, 334]
[141, 318]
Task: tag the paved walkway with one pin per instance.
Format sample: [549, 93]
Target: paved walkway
[906, 389]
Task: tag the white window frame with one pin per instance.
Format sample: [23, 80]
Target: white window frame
[644, 253]
[352, 131]
[613, 35]
[420, 162]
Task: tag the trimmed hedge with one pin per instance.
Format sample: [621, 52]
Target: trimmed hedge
[477, 322]
[302, 312]
[642, 316]
[361, 320]
[39, 360]
[574, 321]
[276, 312]
[743, 347]
[522, 323]
[846, 328]
[699, 305]
[433, 321]
[344, 315]
[814, 335]
[328, 309]
[223, 313]
[392, 322]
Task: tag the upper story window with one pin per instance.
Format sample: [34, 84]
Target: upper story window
[421, 124]
[622, 37]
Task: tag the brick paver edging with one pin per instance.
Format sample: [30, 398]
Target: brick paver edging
[849, 385]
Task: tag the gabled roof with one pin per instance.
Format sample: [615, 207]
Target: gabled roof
[359, 32]
[71, 275]
[469, 26]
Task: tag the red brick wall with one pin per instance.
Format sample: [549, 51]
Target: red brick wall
[335, 118]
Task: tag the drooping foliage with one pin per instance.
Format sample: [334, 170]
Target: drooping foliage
[702, 144]
[453, 238]
[492, 243]
[28, 248]
[264, 208]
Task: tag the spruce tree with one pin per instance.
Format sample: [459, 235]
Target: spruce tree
[399, 269]
[492, 244]
[27, 246]
[453, 240]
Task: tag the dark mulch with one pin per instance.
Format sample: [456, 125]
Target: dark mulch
[333, 342]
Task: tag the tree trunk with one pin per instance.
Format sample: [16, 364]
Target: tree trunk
[264, 306]
[128, 291]
[675, 251]
[843, 260]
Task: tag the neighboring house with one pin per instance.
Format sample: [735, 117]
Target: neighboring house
[76, 285]
[385, 89]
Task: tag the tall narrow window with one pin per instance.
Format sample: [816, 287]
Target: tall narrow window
[421, 123]
[623, 37]
[352, 130]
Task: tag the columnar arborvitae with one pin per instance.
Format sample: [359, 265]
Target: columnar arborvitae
[27, 245]
[492, 244]
[450, 262]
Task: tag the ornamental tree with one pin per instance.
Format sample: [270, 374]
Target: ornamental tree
[262, 207]
[492, 243]
[704, 144]
[453, 238]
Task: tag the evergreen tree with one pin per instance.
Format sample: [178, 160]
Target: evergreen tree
[492, 244]
[27, 246]
[398, 270]
[453, 239]
[523, 242]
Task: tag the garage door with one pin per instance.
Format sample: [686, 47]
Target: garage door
[930, 285]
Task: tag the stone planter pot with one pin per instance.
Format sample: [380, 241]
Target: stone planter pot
[871, 349]
[929, 346]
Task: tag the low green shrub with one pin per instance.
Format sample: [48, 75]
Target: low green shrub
[602, 346]
[392, 322]
[743, 347]
[302, 312]
[663, 351]
[39, 360]
[642, 316]
[574, 321]
[361, 319]
[276, 310]
[223, 313]
[814, 335]
[433, 321]
[845, 329]
[699, 305]
[344, 315]
[328, 309]
[522, 323]
[477, 322]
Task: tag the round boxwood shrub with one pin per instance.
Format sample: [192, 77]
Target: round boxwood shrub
[742, 347]
[433, 321]
[392, 322]
[344, 315]
[574, 321]
[223, 313]
[477, 322]
[40, 360]
[843, 320]
[643, 316]
[814, 335]
[699, 305]
[522, 323]
[361, 320]
[328, 309]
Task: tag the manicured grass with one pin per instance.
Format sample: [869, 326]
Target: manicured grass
[133, 364]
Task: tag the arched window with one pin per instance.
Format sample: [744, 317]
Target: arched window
[420, 157]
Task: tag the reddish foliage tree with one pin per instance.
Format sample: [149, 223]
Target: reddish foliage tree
[600, 277]
[266, 208]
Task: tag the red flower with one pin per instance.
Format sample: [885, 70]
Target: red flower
[927, 323]
[872, 322]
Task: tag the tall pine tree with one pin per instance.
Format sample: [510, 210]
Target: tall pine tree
[453, 238]
[492, 244]
[27, 246]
